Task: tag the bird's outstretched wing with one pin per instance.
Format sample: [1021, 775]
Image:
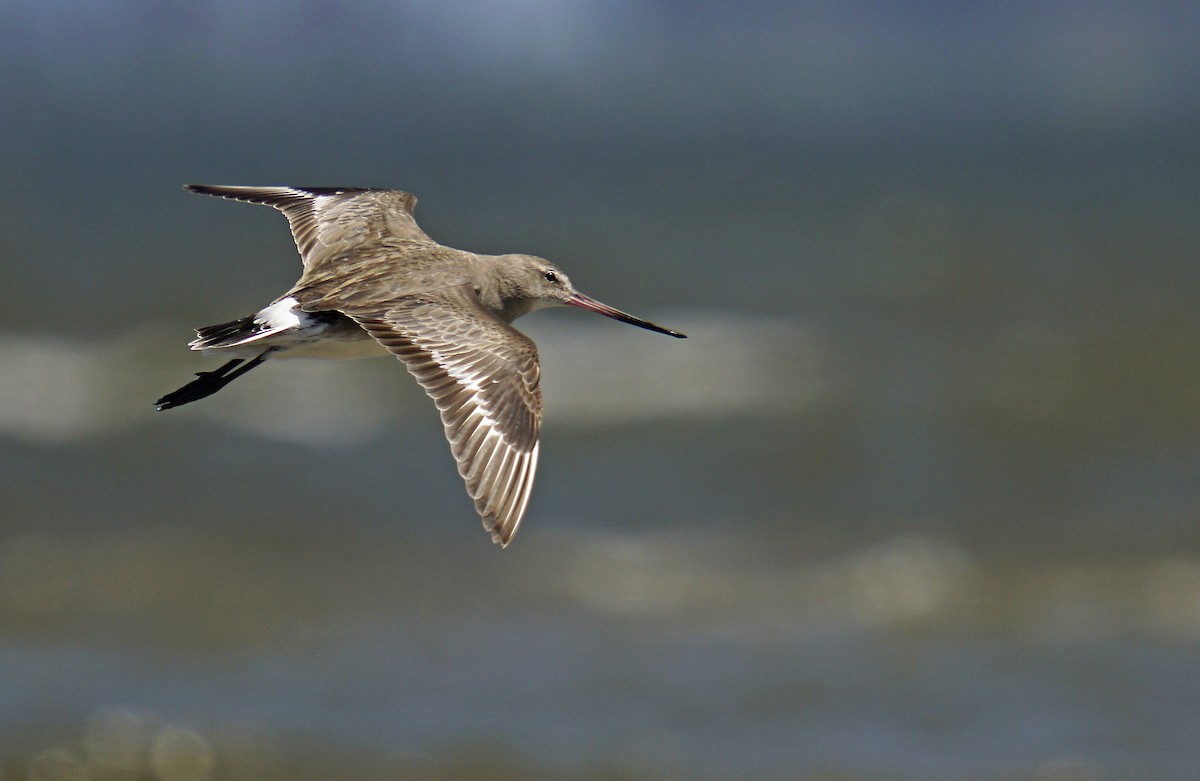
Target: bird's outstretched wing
[483, 375]
[330, 221]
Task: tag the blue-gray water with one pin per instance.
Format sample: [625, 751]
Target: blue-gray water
[917, 499]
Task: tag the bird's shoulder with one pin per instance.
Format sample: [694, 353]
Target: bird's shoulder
[374, 275]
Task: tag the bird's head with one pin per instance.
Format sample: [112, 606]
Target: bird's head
[536, 283]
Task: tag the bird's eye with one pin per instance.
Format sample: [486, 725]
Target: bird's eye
[551, 276]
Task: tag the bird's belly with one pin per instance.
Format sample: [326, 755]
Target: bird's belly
[334, 348]
[330, 336]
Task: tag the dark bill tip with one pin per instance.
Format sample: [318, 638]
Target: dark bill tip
[592, 305]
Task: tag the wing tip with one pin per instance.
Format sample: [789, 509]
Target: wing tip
[277, 195]
[502, 533]
[232, 191]
[221, 189]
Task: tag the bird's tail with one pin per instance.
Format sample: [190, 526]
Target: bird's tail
[231, 334]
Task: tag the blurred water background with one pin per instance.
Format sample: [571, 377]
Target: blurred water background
[918, 498]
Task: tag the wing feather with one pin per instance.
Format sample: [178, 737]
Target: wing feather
[483, 375]
[328, 222]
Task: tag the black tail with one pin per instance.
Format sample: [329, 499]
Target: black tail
[227, 334]
[208, 383]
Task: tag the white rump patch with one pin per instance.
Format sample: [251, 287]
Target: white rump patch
[282, 315]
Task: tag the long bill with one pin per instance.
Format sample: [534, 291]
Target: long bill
[592, 305]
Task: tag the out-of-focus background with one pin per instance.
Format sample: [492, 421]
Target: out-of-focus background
[918, 498]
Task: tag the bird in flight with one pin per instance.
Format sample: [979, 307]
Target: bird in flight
[375, 284]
